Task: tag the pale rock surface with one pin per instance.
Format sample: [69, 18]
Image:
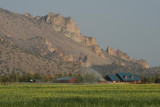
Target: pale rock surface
[57, 37]
[125, 56]
[64, 25]
[118, 53]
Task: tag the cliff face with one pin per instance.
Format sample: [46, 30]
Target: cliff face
[70, 30]
[118, 53]
[42, 35]
[142, 62]
[125, 56]
[15, 60]
[64, 25]
[55, 37]
[92, 44]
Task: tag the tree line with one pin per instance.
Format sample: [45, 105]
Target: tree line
[27, 77]
[20, 78]
[151, 79]
[90, 78]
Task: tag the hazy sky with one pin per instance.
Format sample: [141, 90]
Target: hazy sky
[130, 25]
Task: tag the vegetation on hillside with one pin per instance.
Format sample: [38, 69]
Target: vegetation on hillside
[136, 69]
[14, 60]
[53, 45]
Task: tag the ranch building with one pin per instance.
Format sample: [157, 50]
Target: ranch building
[123, 78]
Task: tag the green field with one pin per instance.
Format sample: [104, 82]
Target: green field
[80, 95]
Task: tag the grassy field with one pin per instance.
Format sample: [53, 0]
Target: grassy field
[82, 95]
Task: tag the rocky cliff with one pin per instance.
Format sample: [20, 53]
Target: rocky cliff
[118, 53]
[15, 60]
[55, 37]
[63, 25]
[68, 27]
[61, 33]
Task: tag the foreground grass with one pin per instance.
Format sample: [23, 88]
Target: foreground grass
[70, 95]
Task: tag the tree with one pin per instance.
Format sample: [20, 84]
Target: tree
[37, 76]
[79, 78]
[89, 77]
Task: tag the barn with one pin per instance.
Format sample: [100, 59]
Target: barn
[129, 77]
[66, 80]
[113, 78]
[123, 78]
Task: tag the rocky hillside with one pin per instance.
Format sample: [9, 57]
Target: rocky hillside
[125, 56]
[15, 60]
[63, 37]
[57, 38]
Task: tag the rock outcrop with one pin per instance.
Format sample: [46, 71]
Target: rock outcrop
[111, 51]
[28, 15]
[142, 62]
[55, 37]
[69, 28]
[64, 25]
[92, 44]
[118, 53]
[90, 41]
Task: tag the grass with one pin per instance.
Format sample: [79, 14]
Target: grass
[82, 95]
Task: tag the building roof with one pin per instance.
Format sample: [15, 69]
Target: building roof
[113, 77]
[64, 79]
[128, 75]
[36, 80]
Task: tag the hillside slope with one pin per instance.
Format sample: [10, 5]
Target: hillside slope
[53, 39]
[14, 60]
[23, 27]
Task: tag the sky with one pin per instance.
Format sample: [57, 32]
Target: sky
[132, 26]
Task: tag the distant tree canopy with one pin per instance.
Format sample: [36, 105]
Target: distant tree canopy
[81, 78]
